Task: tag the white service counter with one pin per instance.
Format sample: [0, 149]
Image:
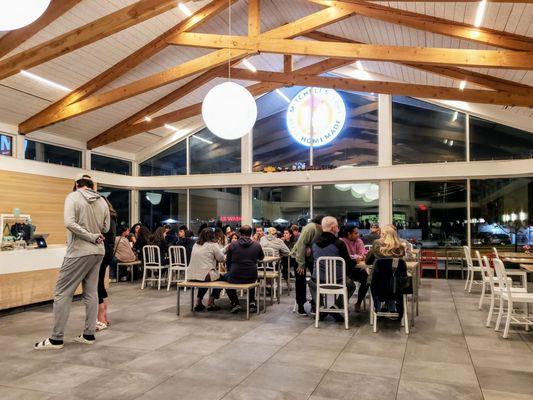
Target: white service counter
[29, 276]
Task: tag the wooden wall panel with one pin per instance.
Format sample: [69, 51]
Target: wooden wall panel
[40, 196]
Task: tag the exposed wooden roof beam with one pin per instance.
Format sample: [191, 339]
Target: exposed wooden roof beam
[41, 119]
[254, 17]
[13, 39]
[355, 51]
[87, 34]
[129, 130]
[287, 63]
[405, 89]
[488, 81]
[433, 24]
[467, 1]
[192, 67]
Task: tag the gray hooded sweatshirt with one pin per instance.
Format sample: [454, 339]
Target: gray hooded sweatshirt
[275, 243]
[86, 217]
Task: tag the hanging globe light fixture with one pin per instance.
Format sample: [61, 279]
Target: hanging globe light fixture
[19, 13]
[229, 110]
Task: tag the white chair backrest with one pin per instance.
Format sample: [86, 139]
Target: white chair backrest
[502, 277]
[151, 256]
[269, 252]
[368, 246]
[177, 257]
[495, 251]
[484, 271]
[488, 271]
[329, 267]
[468, 257]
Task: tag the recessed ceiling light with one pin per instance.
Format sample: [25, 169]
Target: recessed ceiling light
[283, 96]
[249, 65]
[462, 85]
[184, 9]
[480, 13]
[147, 119]
[44, 81]
[359, 65]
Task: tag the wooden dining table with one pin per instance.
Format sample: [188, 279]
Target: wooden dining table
[518, 260]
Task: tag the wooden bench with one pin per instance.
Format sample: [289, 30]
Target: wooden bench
[127, 264]
[217, 285]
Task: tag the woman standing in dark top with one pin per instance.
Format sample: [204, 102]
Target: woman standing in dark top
[109, 244]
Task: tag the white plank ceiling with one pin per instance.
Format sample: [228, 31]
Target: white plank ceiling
[20, 97]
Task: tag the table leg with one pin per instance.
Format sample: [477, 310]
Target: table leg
[132, 271]
[247, 304]
[264, 295]
[118, 279]
[192, 298]
[258, 300]
[178, 303]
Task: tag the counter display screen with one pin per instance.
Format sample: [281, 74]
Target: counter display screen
[6, 145]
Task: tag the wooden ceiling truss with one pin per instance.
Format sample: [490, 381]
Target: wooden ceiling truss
[507, 51]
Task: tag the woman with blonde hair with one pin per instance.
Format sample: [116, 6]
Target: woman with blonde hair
[387, 246]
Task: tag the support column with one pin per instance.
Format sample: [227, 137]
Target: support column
[134, 207]
[246, 153]
[19, 146]
[86, 159]
[385, 130]
[247, 205]
[385, 202]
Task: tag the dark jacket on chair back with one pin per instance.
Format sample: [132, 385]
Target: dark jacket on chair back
[328, 245]
[382, 284]
[243, 255]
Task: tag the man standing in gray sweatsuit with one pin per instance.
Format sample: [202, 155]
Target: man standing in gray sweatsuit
[86, 218]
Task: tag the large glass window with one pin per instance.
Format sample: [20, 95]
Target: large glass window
[431, 213]
[210, 154]
[273, 145]
[215, 207]
[501, 213]
[109, 164]
[6, 145]
[281, 205]
[351, 203]
[357, 143]
[344, 129]
[492, 141]
[158, 207]
[172, 161]
[425, 133]
[120, 199]
[51, 154]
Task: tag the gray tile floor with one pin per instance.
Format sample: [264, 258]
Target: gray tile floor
[149, 353]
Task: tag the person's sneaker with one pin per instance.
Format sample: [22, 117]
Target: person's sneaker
[214, 307]
[85, 339]
[47, 345]
[199, 307]
[253, 307]
[301, 311]
[235, 308]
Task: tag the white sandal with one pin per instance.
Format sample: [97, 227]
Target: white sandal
[100, 326]
[47, 345]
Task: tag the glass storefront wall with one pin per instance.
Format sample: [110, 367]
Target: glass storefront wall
[281, 206]
[172, 161]
[351, 203]
[425, 133]
[432, 214]
[210, 154]
[501, 212]
[158, 207]
[120, 199]
[52, 154]
[492, 141]
[109, 164]
[6, 145]
[215, 207]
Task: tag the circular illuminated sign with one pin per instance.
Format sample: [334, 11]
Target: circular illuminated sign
[316, 116]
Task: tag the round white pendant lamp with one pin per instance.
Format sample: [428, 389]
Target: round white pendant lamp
[15, 14]
[229, 111]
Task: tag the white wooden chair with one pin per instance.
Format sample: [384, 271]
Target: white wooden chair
[152, 263]
[495, 251]
[331, 286]
[511, 297]
[471, 269]
[177, 256]
[490, 280]
[495, 289]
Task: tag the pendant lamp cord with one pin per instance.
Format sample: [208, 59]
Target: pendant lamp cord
[229, 48]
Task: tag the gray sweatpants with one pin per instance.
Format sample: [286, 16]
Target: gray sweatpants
[74, 271]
